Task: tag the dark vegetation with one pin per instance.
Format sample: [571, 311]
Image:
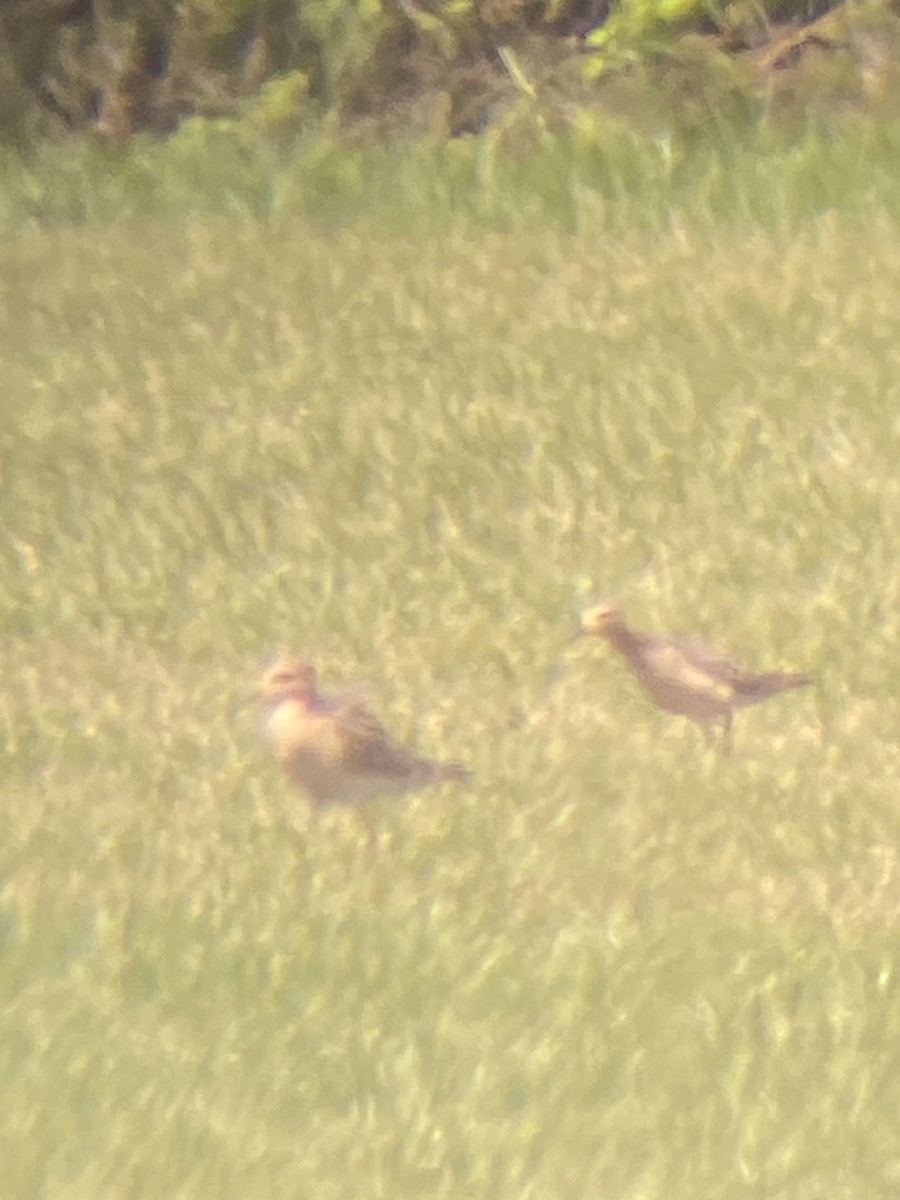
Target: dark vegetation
[117, 68]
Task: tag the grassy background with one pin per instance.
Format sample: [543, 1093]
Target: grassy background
[618, 965]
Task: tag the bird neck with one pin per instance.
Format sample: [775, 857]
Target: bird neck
[627, 641]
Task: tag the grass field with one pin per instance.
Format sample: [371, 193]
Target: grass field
[618, 965]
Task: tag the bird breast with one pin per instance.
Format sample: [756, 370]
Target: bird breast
[294, 731]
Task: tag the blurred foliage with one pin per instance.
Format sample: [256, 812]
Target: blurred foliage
[445, 67]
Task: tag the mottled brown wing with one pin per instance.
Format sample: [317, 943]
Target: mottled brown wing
[753, 688]
[748, 685]
[707, 658]
[370, 749]
[688, 666]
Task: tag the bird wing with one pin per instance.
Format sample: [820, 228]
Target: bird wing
[747, 687]
[369, 749]
[691, 666]
[753, 688]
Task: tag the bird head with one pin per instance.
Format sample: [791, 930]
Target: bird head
[598, 619]
[286, 678]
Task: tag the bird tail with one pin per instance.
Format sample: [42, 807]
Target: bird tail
[448, 772]
[760, 687]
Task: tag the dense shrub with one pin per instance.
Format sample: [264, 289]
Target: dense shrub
[123, 67]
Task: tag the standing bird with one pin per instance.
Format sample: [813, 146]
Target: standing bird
[334, 749]
[684, 678]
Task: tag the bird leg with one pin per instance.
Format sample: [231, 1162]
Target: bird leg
[371, 833]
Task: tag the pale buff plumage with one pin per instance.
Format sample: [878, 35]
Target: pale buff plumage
[334, 749]
[683, 677]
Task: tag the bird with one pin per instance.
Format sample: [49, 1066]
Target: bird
[686, 678]
[334, 749]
